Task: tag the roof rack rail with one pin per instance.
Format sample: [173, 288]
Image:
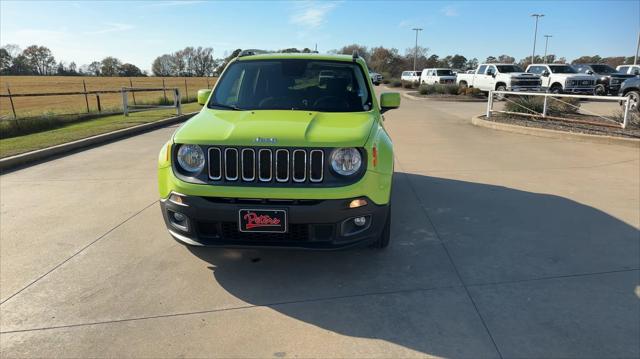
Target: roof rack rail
[251, 52]
[355, 55]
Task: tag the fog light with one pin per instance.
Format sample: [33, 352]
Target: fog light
[179, 217]
[360, 221]
[358, 203]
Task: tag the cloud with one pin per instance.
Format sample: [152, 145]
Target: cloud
[311, 14]
[449, 11]
[111, 27]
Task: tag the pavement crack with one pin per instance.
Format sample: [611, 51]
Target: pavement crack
[250, 306]
[78, 252]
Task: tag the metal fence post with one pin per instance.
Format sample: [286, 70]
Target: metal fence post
[98, 102]
[186, 90]
[208, 82]
[489, 104]
[626, 113]
[544, 106]
[164, 90]
[133, 93]
[86, 98]
[125, 102]
[177, 101]
[13, 109]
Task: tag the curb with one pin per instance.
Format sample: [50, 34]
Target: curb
[543, 132]
[472, 100]
[23, 159]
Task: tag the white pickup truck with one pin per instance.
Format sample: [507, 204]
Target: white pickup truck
[501, 77]
[562, 78]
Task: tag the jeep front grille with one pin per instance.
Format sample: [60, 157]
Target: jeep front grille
[266, 165]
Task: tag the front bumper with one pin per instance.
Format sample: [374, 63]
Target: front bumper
[579, 90]
[312, 224]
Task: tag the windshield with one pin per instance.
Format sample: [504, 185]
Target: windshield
[444, 72]
[505, 69]
[603, 69]
[292, 84]
[562, 69]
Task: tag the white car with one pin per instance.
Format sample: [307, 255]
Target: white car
[437, 76]
[410, 76]
[629, 69]
[376, 78]
[500, 77]
[563, 78]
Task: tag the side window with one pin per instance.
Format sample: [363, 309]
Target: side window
[431, 73]
[492, 68]
[535, 70]
[481, 69]
[623, 69]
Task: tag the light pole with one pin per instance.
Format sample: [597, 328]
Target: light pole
[535, 35]
[546, 43]
[415, 51]
[635, 59]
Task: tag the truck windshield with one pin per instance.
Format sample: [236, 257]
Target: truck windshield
[562, 69]
[505, 69]
[292, 84]
[444, 72]
[603, 69]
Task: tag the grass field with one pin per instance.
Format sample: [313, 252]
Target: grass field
[75, 131]
[76, 104]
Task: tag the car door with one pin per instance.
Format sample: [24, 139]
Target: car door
[479, 79]
[491, 79]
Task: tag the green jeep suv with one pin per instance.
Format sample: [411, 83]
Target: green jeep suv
[289, 150]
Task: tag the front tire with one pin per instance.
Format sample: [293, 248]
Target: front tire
[501, 96]
[463, 84]
[599, 90]
[634, 100]
[385, 236]
[556, 89]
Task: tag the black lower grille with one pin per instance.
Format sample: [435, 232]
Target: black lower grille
[228, 231]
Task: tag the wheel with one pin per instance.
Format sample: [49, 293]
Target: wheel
[463, 84]
[557, 89]
[501, 96]
[599, 90]
[634, 100]
[385, 237]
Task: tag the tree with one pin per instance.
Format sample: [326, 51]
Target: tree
[421, 59]
[203, 63]
[129, 70]
[163, 66]
[349, 49]
[506, 59]
[491, 60]
[110, 66]
[39, 59]
[386, 61]
[473, 63]
[21, 66]
[226, 60]
[5, 60]
[94, 68]
[458, 61]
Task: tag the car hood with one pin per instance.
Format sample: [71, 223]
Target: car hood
[526, 75]
[277, 128]
[574, 76]
[620, 76]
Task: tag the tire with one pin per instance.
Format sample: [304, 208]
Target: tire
[599, 90]
[634, 100]
[556, 89]
[463, 84]
[383, 241]
[501, 97]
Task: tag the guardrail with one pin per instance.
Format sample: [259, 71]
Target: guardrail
[556, 97]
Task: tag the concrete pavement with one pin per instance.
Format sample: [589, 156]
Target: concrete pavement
[503, 245]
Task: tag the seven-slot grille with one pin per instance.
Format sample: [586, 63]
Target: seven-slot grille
[581, 83]
[265, 165]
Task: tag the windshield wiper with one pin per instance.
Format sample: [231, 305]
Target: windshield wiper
[228, 107]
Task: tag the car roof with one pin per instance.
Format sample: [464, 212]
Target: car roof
[297, 55]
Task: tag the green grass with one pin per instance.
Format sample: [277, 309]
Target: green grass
[75, 131]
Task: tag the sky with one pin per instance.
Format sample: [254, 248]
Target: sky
[139, 31]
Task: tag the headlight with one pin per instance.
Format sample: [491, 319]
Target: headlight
[191, 158]
[346, 161]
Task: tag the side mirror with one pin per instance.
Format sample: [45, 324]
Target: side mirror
[589, 72]
[545, 73]
[389, 101]
[203, 96]
[636, 72]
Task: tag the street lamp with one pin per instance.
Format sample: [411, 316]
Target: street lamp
[546, 43]
[535, 35]
[415, 52]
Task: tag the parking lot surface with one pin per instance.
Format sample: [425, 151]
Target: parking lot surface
[503, 245]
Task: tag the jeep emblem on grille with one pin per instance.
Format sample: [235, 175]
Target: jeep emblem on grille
[266, 140]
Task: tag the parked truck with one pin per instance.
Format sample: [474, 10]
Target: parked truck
[563, 78]
[501, 77]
